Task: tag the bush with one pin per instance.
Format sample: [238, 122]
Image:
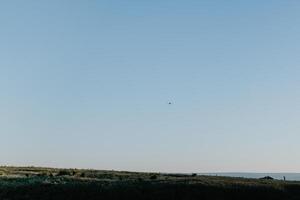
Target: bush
[153, 177]
[63, 173]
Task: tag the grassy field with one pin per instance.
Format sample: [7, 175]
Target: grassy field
[48, 183]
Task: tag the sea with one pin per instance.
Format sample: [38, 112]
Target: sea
[278, 176]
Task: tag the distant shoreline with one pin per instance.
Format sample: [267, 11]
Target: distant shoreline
[255, 175]
[278, 176]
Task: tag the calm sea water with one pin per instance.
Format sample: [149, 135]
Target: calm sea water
[279, 176]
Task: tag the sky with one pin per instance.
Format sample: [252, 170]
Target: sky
[86, 84]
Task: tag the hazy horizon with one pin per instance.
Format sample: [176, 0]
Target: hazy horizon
[87, 84]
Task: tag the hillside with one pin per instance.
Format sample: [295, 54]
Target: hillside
[48, 183]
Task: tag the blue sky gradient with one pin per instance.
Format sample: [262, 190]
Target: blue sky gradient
[86, 84]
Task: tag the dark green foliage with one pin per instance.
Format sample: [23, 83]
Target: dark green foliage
[153, 177]
[136, 191]
[64, 173]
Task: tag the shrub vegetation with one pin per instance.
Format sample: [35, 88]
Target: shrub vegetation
[24, 184]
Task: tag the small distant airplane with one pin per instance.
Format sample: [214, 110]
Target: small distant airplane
[170, 103]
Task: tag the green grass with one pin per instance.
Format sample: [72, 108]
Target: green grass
[48, 183]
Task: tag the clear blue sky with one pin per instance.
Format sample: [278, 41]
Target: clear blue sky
[86, 84]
